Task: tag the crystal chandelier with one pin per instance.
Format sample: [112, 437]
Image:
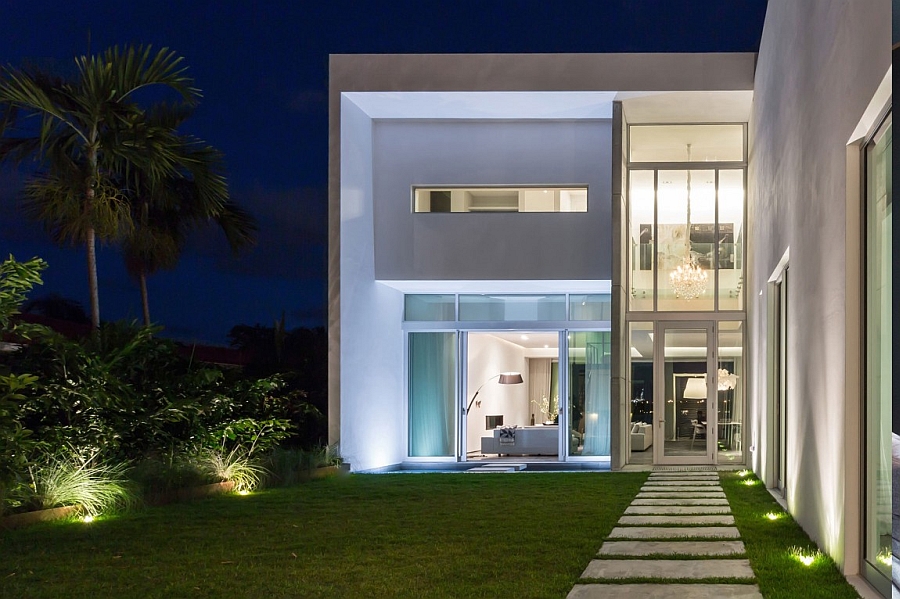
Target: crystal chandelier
[688, 280]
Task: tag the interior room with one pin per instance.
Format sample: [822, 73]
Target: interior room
[497, 401]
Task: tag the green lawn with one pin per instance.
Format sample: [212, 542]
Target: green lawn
[399, 535]
[769, 543]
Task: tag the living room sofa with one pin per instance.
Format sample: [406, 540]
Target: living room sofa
[641, 436]
[529, 440]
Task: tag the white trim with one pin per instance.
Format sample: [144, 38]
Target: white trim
[600, 286]
[876, 105]
[779, 268]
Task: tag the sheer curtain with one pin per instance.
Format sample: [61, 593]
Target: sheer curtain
[432, 394]
[539, 387]
[596, 394]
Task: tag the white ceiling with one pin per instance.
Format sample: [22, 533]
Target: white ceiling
[639, 107]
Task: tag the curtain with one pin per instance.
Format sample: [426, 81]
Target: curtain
[539, 388]
[432, 394]
[597, 394]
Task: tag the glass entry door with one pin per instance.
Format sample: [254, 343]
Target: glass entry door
[684, 411]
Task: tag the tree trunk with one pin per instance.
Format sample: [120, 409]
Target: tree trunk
[92, 278]
[91, 241]
[145, 300]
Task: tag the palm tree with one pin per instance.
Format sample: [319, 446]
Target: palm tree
[164, 210]
[82, 132]
[160, 231]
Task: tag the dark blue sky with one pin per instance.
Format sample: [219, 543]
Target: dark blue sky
[263, 69]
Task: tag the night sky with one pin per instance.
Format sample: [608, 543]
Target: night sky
[263, 70]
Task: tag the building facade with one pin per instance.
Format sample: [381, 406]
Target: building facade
[606, 260]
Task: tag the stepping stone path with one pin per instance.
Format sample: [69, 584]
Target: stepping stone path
[681, 515]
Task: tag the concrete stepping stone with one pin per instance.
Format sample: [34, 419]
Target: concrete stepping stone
[654, 520]
[681, 532]
[682, 483]
[684, 475]
[646, 489]
[669, 568]
[665, 474]
[652, 495]
[681, 501]
[664, 591]
[640, 548]
[634, 510]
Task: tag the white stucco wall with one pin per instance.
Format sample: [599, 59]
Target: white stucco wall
[479, 246]
[372, 429]
[820, 63]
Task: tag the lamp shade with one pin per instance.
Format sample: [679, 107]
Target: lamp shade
[511, 378]
[695, 389]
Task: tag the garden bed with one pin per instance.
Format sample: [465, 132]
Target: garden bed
[26, 518]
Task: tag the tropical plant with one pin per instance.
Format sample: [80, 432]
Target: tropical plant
[17, 442]
[233, 466]
[83, 132]
[17, 279]
[95, 485]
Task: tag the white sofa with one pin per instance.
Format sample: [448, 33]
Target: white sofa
[529, 440]
[641, 436]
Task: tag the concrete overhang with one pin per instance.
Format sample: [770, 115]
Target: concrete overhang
[654, 88]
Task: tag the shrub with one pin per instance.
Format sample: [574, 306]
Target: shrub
[95, 485]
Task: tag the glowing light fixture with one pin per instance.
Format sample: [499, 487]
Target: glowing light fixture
[695, 388]
[726, 379]
[804, 556]
[743, 473]
[504, 378]
[688, 280]
[87, 519]
[773, 516]
[243, 492]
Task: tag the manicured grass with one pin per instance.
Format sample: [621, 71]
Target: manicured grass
[779, 574]
[397, 535]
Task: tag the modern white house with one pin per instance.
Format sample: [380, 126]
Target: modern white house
[605, 261]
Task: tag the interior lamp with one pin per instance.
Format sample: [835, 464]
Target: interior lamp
[695, 388]
[727, 380]
[504, 378]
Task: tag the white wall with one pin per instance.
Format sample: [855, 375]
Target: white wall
[488, 357]
[819, 64]
[372, 426]
[479, 246]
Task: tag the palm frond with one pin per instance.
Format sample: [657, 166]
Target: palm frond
[238, 225]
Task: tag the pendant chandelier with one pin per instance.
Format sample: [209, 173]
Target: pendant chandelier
[688, 280]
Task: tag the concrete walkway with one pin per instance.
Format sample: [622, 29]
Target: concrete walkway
[678, 529]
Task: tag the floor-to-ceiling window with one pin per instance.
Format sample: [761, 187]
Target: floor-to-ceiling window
[685, 227]
[877, 552]
[778, 339]
[589, 399]
[432, 394]
[459, 345]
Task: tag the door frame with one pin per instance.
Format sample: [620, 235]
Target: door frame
[659, 391]
[464, 394]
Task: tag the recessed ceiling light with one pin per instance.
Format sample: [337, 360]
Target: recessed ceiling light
[546, 346]
[524, 337]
